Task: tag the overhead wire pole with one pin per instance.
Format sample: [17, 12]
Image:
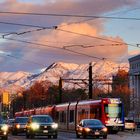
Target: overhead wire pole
[60, 90]
[90, 81]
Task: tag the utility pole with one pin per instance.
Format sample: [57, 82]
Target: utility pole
[90, 80]
[60, 90]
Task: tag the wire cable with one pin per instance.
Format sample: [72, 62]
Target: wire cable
[95, 37]
[44, 45]
[57, 28]
[26, 25]
[12, 56]
[67, 15]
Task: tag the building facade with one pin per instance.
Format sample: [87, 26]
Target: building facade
[135, 86]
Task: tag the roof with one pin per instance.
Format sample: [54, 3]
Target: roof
[137, 57]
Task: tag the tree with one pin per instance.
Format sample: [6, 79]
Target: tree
[120, 88]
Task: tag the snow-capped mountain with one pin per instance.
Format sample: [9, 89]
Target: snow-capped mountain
[17, 80]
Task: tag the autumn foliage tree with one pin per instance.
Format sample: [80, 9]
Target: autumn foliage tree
[120, 88]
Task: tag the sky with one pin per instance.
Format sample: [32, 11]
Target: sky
[29, 42]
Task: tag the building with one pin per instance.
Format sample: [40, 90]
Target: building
[135, 86]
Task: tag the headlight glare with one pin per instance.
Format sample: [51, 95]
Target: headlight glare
[17, 126]
[104, 129]
[4, 127]
[87, 129]
[55, 125]
[34, 126]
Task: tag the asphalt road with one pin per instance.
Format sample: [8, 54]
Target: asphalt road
[71, 136]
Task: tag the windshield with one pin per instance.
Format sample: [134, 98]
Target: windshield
[21, 120]
[92, 122]
[1, 121]
[113, 110]
[42, 119]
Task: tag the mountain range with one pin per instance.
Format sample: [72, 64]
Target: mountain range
[16, 81]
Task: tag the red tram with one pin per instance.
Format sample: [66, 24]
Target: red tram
[109, 110]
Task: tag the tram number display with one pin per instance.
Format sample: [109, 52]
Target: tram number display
[113, 101]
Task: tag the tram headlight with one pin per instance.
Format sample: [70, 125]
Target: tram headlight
[107, 121]
[104, 129]
[55, 126]
[34, 126]
[120, 121]
[4, 127]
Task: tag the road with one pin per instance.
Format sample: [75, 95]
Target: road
[71, 136]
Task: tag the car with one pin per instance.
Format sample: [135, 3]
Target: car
[91, 127]
[19, 125]
[41, 125]
[138, 125]
[130, 125]
[3, 130]
[10, 123]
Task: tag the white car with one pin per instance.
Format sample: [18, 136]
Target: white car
[130, 125]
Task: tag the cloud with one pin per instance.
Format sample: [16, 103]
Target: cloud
[133, 53]
[100, 48]
[89, 45]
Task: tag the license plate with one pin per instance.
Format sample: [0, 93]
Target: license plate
[97, 133]
[45, 131]
[22, 126]
[115, 128]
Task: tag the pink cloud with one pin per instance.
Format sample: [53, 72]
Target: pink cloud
[61, 39]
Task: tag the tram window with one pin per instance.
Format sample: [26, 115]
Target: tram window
[97, 113]
[57, 116]
[62, 117]
[92, 113]
[71, 116]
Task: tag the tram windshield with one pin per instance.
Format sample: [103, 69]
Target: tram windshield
[113, 110]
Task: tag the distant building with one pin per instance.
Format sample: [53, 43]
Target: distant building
[135, 86]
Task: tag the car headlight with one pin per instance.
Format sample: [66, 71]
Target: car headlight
[4, 127]
[17, 126]
[105, 129]
[55, 126]
[87, 129]
[34, 126]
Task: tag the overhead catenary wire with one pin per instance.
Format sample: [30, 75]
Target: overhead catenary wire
[57, 28]
[15, 57]
[26, 25]
[53, 47]
[95, 37]
[67, 15]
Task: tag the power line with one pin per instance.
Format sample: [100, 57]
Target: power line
[26, 25]
[21, 33]
[12, 56]
[67, 15]
[44, 45]
[95, 37]
[91, 46]
[56, 28]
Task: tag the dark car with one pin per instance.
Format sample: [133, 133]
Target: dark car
[91, 127]
[41, 125]
[19, 125]
[3, 130]
[138, 125]
[10, 124]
